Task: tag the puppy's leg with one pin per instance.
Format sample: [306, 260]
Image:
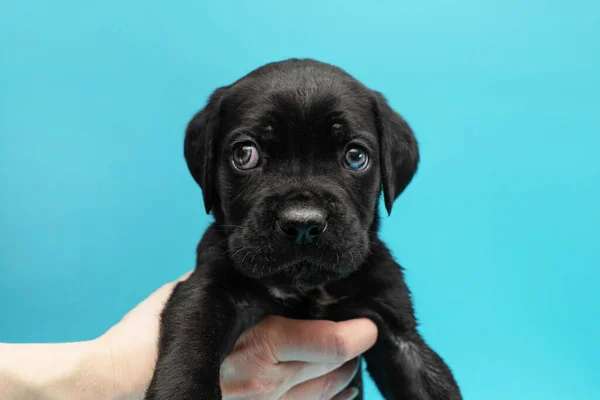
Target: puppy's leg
[199, 327]
[405, 367]
[402, 365]
[357, 382]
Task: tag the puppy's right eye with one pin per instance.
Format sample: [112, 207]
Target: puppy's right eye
[356, 158]
[245, 156]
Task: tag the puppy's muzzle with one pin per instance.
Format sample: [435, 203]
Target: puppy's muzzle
[302, 223]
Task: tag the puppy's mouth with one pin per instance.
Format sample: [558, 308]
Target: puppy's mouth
[283, 261]
[299, 239]
[264, 261]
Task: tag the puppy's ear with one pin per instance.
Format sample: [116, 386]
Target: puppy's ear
[399, 152]
[199, 146]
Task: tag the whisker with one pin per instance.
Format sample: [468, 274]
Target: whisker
[249, 251]
[243, 248]
[224, 240]
[257, 253]
[368, 249]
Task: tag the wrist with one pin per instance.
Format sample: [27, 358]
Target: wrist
[94, 375]
[81, 370]
[88, 374]
[131, 365]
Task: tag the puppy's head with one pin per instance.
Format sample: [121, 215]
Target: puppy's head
[292, 159]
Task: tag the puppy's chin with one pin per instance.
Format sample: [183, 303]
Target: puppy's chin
[305, 275]
[285, 264]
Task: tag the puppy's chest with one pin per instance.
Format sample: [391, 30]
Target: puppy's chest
[311, 304]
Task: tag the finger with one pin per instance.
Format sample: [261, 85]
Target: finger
[347, 394]
[320, 341]
[300, 371]
[162, 294]
[326, 386]
[156, 301]
[184, 277]
[165, 290]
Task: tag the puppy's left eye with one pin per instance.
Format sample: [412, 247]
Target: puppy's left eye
[245, 156]
[356, 158]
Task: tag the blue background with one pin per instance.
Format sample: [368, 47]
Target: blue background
[498, 232]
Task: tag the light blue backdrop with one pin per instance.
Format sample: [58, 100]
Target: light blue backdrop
[498, 232]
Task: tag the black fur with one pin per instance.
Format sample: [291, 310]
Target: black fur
[302, 115]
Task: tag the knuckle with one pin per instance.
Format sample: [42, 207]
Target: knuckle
[325, 390]
[270, 321]
[166, 288]
[259, 387]
[341, 346]
[265, 339]
[267, 351]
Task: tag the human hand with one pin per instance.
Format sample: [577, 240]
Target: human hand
[279, 358]
[133, 343]
[289, 359]
[117, 365]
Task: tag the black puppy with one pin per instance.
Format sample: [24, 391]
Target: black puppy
[291, 160]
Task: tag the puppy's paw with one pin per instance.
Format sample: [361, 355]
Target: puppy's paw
[197, 392]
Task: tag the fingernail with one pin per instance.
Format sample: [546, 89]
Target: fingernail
[353, 393]
[356, 369]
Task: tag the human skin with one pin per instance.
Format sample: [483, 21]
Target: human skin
[279, 358]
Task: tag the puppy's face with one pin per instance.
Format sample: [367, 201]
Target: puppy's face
[292, 159]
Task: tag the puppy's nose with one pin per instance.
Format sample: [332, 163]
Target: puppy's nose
[304, 224]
